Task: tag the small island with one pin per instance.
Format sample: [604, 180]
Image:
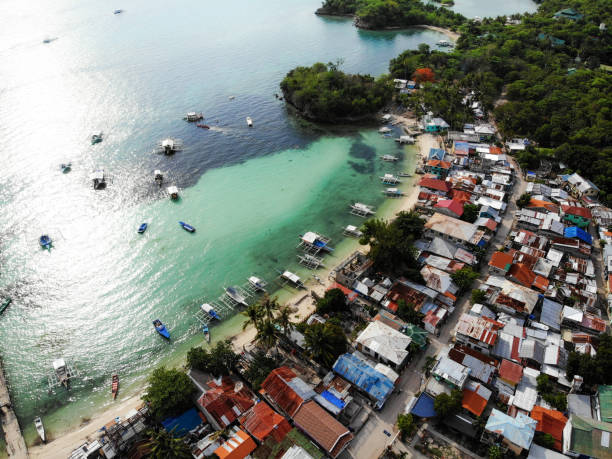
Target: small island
[324, 93]
[392, 14]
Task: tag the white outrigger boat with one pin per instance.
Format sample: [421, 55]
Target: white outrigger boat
[389, 158]
[173, 192]
[362, 210]
[390, 179]
[257, 283]
[169, 146]
[313, 242]
[393, 193]
[63, 372]
[352, 231]
[193, 116]
[384, 130]
[40, 429]
[209, 310]
[405, 139]
[292, 278]
[99, 179]
[249, 121]
[236, 296]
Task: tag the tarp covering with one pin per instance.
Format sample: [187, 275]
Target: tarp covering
[182, 424]
[424, 407]
[332, 399]
[575, 232]
[364, 376]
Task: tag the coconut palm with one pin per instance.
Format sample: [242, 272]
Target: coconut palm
[268, 306]
[267, 334]
[325, 342]
[164, 445]
[254, 316]
[283, 319]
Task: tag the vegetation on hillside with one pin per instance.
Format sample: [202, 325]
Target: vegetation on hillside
[324, 93]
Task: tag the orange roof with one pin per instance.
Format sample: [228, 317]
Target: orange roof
[460, 195]
[551, 422]
[610, 282]
[435, 184]
[541, 283]
[350, 295]
[544, 205]
[501, 260]
[522, 274]
[510, 372]
[261, 421]
[438, 163]
[579, 211]
[473, 402]
[277, 388]
[495, 150]
[237, 447]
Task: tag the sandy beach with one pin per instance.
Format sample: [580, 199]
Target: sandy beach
[449, 33]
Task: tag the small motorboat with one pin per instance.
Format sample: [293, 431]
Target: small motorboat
[142, 228]
[5, 304]
[187, 227]
[203, 126]
[404, 174]
[208, 309]
[257, 283]
[384, 130]
[45, 242]
[96, 137]
[173, 192]
[236, 296]
[444, 43]
[117, 11]
[40, 429]
[115, 385]
[158, 177]
[49, 39]
[249, 121]
[66, 167]
[232, 97]
[161, 328]
[193, 116]
[206, 333]
[389, 158]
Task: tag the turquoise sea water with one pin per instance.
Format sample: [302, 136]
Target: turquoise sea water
[249, 192]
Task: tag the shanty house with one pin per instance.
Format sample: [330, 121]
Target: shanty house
[515, 433]
[384, 344]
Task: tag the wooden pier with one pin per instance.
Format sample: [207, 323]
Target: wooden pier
[15, 444]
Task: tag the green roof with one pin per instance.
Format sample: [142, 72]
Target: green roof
[586, 437]
[568, 13]
[418, 335]
[605, 403]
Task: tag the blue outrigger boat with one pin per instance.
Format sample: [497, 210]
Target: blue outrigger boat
[45, 242]
[206, 333]
[187, 227]
[208, 309]
[142, 228]
[161, 328]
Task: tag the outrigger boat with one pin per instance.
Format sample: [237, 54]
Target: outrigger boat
[236, 296]
[169, 146]
[316, 242]
[384, 130]
[45, 242]
[393, 193]
[142, 228]
[173, 192]
[362, 210]
[389, 158]
[187, 227]
[158, 176]
[97, 137]
[114, 386]
[352, 231]
[206, 333]
[257, 283]
[62, 372]
[389, 179]
[193, 116]
[293, 278]
[66, 167]
[40, 429]
[5, 304]
[99, 179]
[404, 174]
[405, 139]
[161, 328]
[249, 121]
[208, 309]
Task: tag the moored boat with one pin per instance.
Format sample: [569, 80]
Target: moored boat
[389, 179]
[61, 372]
[389, 158]
[142, 228]
[117, 11]
[161, 328]
[97, 137]
[45, 242]
[393, 193]
[40, 429]
[206, 333]
[208, 309]
[114, 386]
[249, 121]
[203, 126]
[316, 242]
[193, 116]
[362, 210]
[292, 278]
[404, 174]
[5, 304]
[257, 283]
[173, 192]
[235, 295]
[99, 179]
[158, 176]
[384, 130]
[66, 167]
[187, 227]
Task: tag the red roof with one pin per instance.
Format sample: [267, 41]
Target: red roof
[473, 402]
[510, 372]
[240, 445]
[435, 184]
[541, 283]
[495, 150]
[276, 387]
[522, 274]
[501, 260]
[539, 204]
[610, 282]
[593, 323]
[578, 211]
[261, 421]
[324, 429]
[227, 400]
[551, 422]
[438, 163]
[350, 295]
[490, 224]
[453, 205]
[460, 195]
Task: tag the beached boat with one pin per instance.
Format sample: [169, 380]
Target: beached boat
[5, 304]
[40, 429]
[187, 227]
[66, 167]
[362, 210]
[97, 137]
[203, 126]
[393, 193]
[389, 179]
[257, 283]
[62, 372]
[208, 309]
[404, 174]
[389, 158]
[45, 242]
[114, 386]
[158, 177]
[99, 179]
[173, 192]
[292, 278]
[352, 231]
[384, 130]
[142, 228]
[161, 328]
[405, 139]
[193, 116]
[444, 43]
[206, 333]
[236, 296]
[249, 121]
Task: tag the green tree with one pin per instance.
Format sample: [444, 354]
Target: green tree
[478, 296]
[267, 335]
[470, 213]
[495, 452]
[164, 445]
[464, 278]
[254, 316]
[446, 405]
[259, 369]
[268, 306]
[523, 200]
[544, 439]
[408, 313]
[333, 301]
[406, 425]
[594, 370]
[283, 319]
[220, 360]
[168, 393]
[325, 342]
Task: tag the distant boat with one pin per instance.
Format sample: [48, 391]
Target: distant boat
[384, 130]
[158, 176]
[49, 39]
[206, 332]
[45, 242]
[389, 158]
[193, 116]
[66, 167]
[444, 43]
[203, 126]
[208, 309]
[173, 192]
[142, 228]
[236, 296]
[249, 121]
[96, 137]
[117, 11]
[187, 227]
[40, 429]
[257, 283]
[232, 97]
[161, 328]
[99, 179]
[114, 386]
[404, 174]
[5, 304]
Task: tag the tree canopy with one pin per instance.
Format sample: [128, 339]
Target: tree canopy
[447, 405]
[219, 361]
[325, 342]
[168, 392]
[594, 370]
[333, 301]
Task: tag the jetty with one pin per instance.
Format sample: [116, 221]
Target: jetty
[15, 444]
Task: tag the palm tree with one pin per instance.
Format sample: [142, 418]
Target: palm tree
[268, 306]
[163, 445]
[283, 319]
[319, 340]
[254, 316]
[267, 334]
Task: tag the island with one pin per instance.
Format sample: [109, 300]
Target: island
[324, 93]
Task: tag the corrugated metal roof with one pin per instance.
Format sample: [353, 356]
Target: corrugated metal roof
[519, 430]
[452, 227]
[384, 340]
[551, 314]
[364, 377]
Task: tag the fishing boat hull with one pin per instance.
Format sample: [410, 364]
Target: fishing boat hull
[206, 333]
[142, 228]
[236, 296]
[161, 329]
[187, 227]
[45, 242]
[40, 429]
[114, 386]
[5, 304]
[208, 309]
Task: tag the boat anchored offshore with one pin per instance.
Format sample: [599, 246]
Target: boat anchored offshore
[99, 179]
[40, 429]
[114, 386]
[209, 310]
[393, 193]
[236, 296]
[292, 278]
[389, 158]
[173, 192]
[257, 283]
[389, 179]
[352, 231]
[62, 373]
[45, 242]
[161, 328]
[187, 227]
[158, 177]
[249, 121]
[362, 210]
[66, 167]
[97, 137]
[5, 304]
[203, 126]
[193, 116]
[444, 43]
[206, 333]
[117, 11]
[142, 228]
[169, 146]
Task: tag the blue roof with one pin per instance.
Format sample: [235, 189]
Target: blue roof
[187, 421]
[575, 232]
[424, 406]
[331, 398]
[436, 153]
[364, 376]
[519, 430]
[531, 173]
